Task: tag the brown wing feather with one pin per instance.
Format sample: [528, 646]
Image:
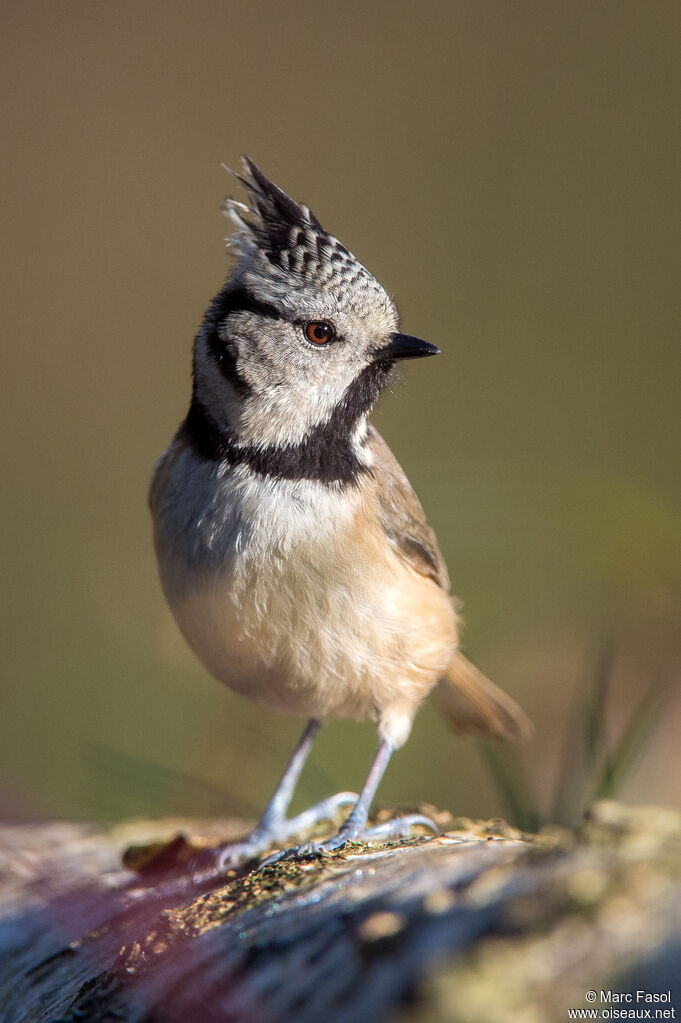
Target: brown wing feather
[469, 700]
[402, 516]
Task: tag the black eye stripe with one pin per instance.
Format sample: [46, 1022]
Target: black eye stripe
[240, 299]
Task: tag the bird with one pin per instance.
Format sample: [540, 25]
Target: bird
[292, 550]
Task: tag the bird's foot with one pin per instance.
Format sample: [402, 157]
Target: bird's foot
[398, 827]
[264, 836]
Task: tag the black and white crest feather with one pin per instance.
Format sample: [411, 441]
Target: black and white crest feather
[278, 234]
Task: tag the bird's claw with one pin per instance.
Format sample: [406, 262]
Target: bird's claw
[263, 838]
[398, 827]
[230, 856]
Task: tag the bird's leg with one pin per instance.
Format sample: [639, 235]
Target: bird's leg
[274, 827]
[355, 827]
[357, 819]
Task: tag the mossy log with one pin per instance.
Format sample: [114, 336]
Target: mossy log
[482, 924]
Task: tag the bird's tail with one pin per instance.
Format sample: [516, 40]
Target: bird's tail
[475, 705]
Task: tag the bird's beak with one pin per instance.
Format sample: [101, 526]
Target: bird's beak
[404, 346]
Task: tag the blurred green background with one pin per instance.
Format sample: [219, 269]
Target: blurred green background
[510, 172]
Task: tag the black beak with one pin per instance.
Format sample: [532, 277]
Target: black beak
[404, 346]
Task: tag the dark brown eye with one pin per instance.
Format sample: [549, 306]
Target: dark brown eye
[319, 332]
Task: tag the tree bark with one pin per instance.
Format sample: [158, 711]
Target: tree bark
[480, 925]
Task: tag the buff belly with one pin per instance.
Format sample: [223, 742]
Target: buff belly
[330, 636]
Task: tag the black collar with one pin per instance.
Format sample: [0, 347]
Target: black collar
[327, 453]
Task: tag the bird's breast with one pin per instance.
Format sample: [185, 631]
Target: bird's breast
[292, 596]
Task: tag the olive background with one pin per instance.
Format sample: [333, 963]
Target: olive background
[510, 172]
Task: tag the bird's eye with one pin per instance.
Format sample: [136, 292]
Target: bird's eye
[319, 332]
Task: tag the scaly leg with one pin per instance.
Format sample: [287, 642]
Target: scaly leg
[355, 827]
[273, 827]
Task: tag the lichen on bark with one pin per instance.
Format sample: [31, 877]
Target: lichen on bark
[481, 924]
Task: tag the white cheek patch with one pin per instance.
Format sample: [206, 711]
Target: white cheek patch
[285, 415]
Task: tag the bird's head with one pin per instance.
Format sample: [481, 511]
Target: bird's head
[302, 337]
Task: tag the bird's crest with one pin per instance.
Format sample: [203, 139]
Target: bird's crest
[284, 233]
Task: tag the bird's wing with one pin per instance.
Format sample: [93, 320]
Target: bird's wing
[469, 700]
[402, 516]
